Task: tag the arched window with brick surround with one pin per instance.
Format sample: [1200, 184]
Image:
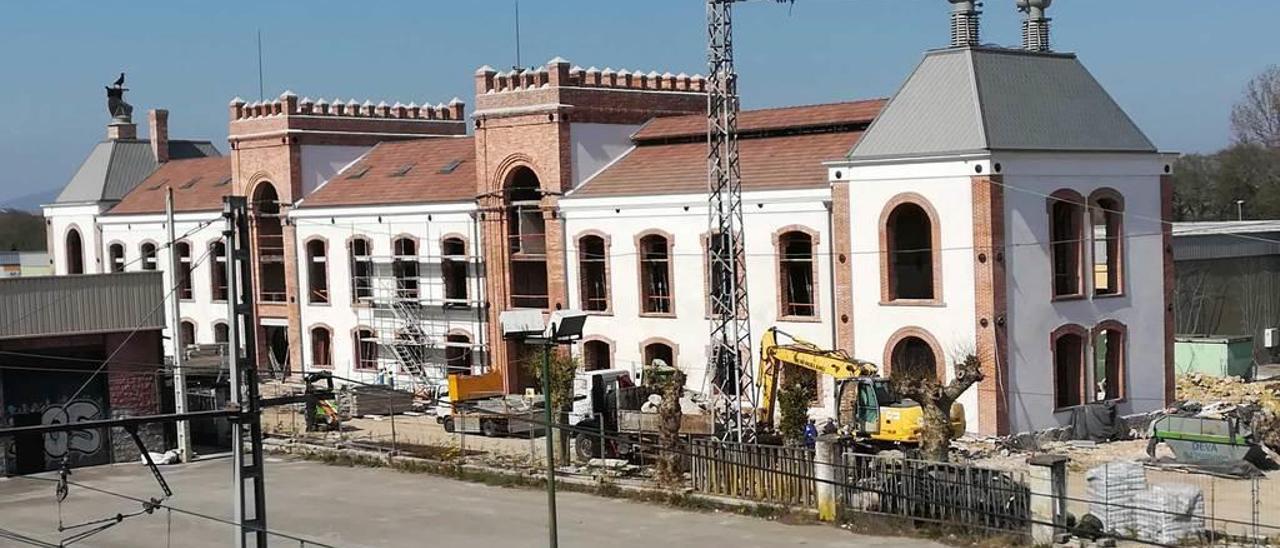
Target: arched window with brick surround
[1107, 379]
[593, 272]
[322, 347]
[597, 354]
[317, 271]
[404, 266]
[1106, 226]
[797, 273]
[914, 352]
[458, 354]
[911, 258]
[1067, 345]
[1066, 241]
[658, 349]
[365, 345]
[656, 295]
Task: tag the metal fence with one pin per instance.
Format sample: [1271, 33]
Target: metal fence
[764, 473]
[955, 494]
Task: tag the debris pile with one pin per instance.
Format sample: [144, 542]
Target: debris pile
[1258, 403]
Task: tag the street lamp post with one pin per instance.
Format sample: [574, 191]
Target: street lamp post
[563, 327]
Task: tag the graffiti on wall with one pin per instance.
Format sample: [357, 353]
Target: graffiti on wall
[59, 444]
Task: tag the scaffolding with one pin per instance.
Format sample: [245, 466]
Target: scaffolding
[424, 321]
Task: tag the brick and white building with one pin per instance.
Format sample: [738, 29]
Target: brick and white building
[1000, 204]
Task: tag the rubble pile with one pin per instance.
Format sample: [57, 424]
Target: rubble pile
[1259, 402]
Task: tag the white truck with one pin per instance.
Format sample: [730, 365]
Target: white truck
[495, 416]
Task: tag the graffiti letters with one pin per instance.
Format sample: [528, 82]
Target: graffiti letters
[59, 444]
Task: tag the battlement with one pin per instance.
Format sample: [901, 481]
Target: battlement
[558, 73]
[288, 104]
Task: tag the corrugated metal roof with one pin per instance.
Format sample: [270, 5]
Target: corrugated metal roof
[92, 303]
[1205, 228]
[1201, 241]
[979, 99]
[113, 168]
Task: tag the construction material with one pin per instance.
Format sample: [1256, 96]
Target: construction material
[1198, 439]
[1112, 490]
[1170, 514]
[376, 400]
[1259, 400]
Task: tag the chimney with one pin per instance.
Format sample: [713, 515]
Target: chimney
[964, 23]
[1035, 28]
[159, 120]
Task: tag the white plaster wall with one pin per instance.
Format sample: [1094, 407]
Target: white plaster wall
[685, 217]
[946, 185]
[322, 162]
[1032, 315]
[83, 217]
[200, 230]
[429, 224]
[593, 146]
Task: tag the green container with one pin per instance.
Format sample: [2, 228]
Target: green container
[1219, 356]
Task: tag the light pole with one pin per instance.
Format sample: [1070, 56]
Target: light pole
[563, 327]
[1239, 210]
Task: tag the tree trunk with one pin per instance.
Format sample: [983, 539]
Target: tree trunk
[669, 416]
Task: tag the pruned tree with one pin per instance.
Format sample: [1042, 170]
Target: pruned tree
[669, 416]
[793, 404]
[935, 399]
[1255, 118]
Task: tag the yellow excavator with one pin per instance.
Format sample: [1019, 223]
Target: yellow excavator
[876, 414]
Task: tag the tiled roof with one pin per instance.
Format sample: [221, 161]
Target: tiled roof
[780, 148]
[764, 120]
[198, 185]
[404, 172]
[767, 163]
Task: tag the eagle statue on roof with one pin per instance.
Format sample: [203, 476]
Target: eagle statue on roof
[116, 105]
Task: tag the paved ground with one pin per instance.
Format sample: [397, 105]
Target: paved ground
[383, 508]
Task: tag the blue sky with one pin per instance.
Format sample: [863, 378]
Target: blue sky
[1175, 65]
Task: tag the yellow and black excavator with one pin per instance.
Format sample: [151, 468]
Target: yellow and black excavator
[875, 415]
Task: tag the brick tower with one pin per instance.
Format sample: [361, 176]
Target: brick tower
[534, 130]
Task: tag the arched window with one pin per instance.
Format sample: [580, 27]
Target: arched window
[115, 257]
[270, 239]
[218, 272]
[1066, 239]
[187, 334]
[148, 252]
[593, 270]
[914, 357]
[183, 251]
[1107, 381]
[358, 249]
[911, 251]
[321, 347]
[75, 252]
[526, 240]
[1106, 225]
[655, 275]
[317, 272]
[457, 353]
[659, 351]
[453, 268]
[365, 343]
[404, 267]
[596, 354]
[220, 333]
[1068, 346]
[797, 274]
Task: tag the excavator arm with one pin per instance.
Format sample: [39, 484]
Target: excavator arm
[800, 353]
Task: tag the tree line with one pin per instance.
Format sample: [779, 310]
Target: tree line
[1243, 179]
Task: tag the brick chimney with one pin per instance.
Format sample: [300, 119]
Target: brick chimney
[159, 120]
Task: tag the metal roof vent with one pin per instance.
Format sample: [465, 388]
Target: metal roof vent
[1035, 28]
[964, 23]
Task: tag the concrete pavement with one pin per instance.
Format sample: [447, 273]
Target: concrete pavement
[371, 507]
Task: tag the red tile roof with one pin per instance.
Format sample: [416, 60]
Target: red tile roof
[438, 170]
[198, 185]
[780, 156]
[763, 120]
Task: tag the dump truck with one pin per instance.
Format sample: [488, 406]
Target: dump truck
[613, 417]
[476, 404]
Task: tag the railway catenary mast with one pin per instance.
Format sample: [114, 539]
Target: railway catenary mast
[730, 323]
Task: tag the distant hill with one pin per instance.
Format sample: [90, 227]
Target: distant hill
[21, 231]
[31, 202]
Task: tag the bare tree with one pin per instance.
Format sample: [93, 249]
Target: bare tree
[935, 399]
[1256, 117]
[669, 415]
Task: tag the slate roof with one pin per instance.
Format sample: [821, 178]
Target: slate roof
[416, 171]
[198, 185]
[962, 100]
[113, 168]
[780, 148]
